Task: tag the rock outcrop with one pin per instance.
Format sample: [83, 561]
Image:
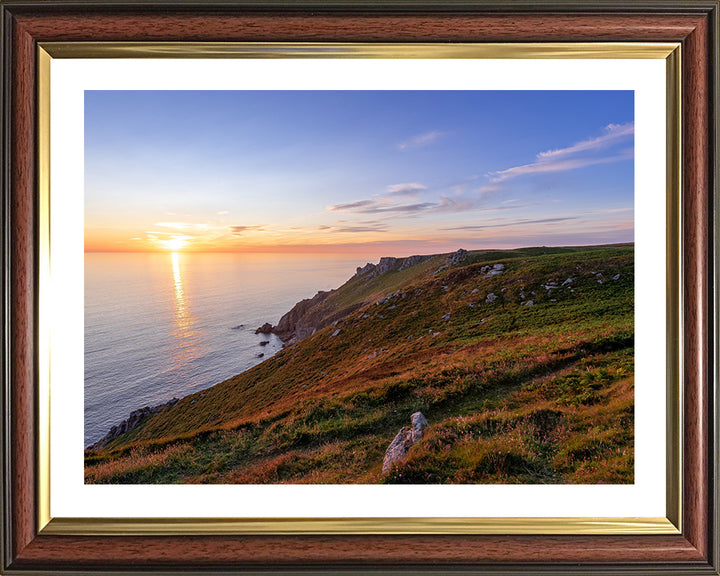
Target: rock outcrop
[265, 329]
[389, 264]
[136, 416]
[362, 270]
[403, 441]
[457, 258]
[454, 259]
[412, 261]
[386, 264]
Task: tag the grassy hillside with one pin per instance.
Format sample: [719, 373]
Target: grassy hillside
[513, 391]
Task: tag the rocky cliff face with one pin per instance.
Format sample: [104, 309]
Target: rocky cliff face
[308, 316]
[388, 264]
[300, 322]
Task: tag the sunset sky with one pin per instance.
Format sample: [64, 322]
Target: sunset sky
[386, 172]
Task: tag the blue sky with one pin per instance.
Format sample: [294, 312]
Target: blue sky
[386, 172]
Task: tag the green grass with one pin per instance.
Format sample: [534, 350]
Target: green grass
[513, 393]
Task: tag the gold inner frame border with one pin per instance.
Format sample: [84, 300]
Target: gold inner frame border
[671, 524]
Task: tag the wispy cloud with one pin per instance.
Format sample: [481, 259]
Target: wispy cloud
[420, 140]
[405, 189]
[351, 206]
[242, 229]
[175, 225]
[555, 166]
[513, 223]
[155, 236]
[458, 203]
[349, 226]
[380, 207]
[579, 155]
[354, 229]
[614, 210]
[612, 133]
[444, 204]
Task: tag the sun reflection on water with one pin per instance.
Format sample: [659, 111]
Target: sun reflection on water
[181, 313]
[184, 330]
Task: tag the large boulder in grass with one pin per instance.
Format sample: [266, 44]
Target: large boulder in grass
[493, 270]
[403, 441]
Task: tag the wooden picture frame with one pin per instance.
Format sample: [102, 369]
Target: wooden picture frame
[31, 546]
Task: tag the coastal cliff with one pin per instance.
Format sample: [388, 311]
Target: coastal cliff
[313, 314]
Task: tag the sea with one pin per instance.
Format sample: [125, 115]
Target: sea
[160, 326]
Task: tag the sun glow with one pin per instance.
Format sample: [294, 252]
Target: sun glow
[174, 244]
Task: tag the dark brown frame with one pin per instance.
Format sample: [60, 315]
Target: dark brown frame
[26, 23]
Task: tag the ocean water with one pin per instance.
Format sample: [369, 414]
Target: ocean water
[159, 326]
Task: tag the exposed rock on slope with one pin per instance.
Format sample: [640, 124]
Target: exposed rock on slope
[136, 416]
[412, 261]
[453, 260]
[489, 271]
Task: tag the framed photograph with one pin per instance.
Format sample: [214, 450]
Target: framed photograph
[359, 287]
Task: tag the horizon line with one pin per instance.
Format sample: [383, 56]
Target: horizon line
[285, 251]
